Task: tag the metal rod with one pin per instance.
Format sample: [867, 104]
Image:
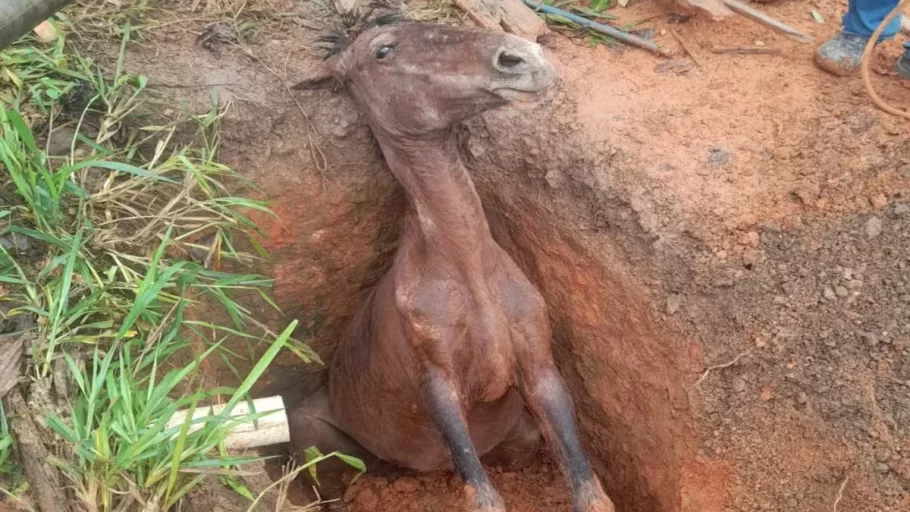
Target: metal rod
[760, 17]
[599, 27]
[17, 17]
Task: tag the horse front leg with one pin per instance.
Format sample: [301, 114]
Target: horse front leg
[546, 396]
[445, 406]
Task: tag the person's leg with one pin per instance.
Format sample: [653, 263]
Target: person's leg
[842, 54]
[903, 64]
[864, 16]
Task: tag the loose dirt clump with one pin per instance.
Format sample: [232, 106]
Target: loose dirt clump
[530, 490]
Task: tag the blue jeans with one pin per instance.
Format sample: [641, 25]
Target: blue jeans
[864, 16]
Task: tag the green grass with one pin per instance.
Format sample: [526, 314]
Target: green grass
[124, 449]
[10, 472]
[129, 229]
[596, 12]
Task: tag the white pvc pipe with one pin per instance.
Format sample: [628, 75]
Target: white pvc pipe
[269, 429]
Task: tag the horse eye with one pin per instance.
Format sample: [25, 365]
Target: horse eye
[384, 51]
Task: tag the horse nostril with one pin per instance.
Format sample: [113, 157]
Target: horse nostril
[509, 61]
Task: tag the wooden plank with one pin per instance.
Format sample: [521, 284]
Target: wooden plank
[10, 362]
[510, 15]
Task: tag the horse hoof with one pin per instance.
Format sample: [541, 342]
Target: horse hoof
[484, 500]
[603, 505]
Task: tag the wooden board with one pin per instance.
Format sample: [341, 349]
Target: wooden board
[510, 15]
[10, 361]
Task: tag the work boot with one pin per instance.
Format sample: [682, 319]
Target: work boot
[842, 54]
[903, 66]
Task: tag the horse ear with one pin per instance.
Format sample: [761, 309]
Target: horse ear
[323, 77]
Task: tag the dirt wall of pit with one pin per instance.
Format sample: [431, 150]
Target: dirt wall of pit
[629, 372]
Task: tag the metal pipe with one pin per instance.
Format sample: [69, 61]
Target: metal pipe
[760, 17]
[17, 17]
[599, 27]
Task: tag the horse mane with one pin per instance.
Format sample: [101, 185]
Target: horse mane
[377, 14]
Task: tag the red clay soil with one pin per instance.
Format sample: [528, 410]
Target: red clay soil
[723, 242]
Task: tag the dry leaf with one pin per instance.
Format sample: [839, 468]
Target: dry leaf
[623, 3]
[10, 361]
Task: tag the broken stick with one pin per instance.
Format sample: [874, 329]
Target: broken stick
[685, 45]
[746, 50]
[762, 18]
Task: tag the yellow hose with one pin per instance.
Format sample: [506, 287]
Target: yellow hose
[864, 65]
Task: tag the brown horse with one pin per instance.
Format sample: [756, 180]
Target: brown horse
[449, 361]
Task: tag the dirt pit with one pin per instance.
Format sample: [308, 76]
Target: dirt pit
[723, 245]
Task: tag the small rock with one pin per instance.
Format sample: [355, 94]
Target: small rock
[873, 227]
[878, 201]
[869, 338]
[882, 455]
[674, 302]
[60, 141]
[723, 281]
[902, 209]
[767, 393]
[829, 293]
[882, 468]
[718, 158]
[750, 239]
[854, 284]
[14, 241]
[841, 291]
[904, 170]
[903, 469]
[789, 287]
[801, 398]
[739, 385]
[406, 485]
[554, 179]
